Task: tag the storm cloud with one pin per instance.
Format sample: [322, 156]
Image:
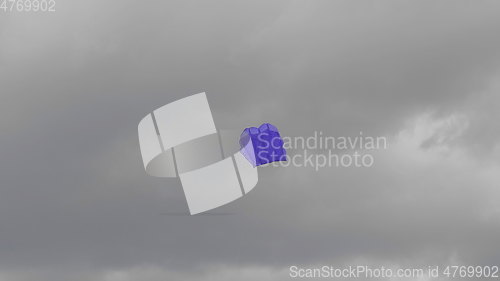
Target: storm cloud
[75, 202]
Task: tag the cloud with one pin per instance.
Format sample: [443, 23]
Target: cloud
[74, 195]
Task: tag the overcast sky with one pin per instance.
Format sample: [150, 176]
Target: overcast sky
[76, 203]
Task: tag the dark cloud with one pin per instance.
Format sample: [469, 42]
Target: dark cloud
[74, 198]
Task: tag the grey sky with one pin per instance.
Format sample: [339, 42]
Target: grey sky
[76, 204]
